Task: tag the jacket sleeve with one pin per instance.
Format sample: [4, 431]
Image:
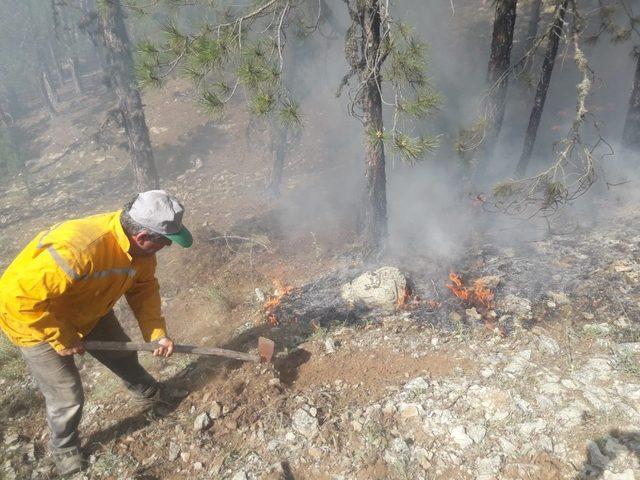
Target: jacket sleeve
[48, 275]
[144, 299]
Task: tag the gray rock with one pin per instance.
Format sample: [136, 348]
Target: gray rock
[202, 422]
[516, 306]
[490, 281]
[304, 423]
[174, 451]
[596, 458]
[381, 288]
[548, 345]
[559, 298]
[240, 475]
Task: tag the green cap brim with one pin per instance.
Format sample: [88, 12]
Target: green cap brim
[182, 238]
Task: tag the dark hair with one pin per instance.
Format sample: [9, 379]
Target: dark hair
[131, 227]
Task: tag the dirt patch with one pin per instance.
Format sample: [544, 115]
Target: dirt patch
[374, 371]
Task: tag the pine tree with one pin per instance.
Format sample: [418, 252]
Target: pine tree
[498, 71]
[122, 74]
[556, 34]
[374, 42]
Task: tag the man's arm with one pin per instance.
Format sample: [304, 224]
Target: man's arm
[144, 299]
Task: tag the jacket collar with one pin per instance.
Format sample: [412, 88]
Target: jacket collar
[121, 236]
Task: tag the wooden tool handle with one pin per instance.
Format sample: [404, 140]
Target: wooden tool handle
[150, 347]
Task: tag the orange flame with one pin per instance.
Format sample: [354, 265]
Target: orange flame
[480, 295]
[274, 300]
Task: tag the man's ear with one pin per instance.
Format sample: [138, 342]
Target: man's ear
[140, 237]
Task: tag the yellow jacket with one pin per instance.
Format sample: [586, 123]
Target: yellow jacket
[70, 276]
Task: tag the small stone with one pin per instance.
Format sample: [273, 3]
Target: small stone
[490, 281]
[473, 314]
[460, 436]
[216, 410]
[240, 475]
[434, 341]
[202, 422]
[417, 384]
[409, 410]
[596, 458]
[548, 345]
[476, 433]
[423, 457]
[274, 382]
[626, 475]
[455, 317]
[185, 456]
[174, 451]
[559, 298]
[198, 466]
[329, 345]
[304, 423]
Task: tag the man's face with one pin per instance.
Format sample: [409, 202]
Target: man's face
[143, 245]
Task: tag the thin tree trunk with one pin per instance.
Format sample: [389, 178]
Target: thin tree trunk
[130, 103]
[47, 93]
[497, 77]
[73, 64]
[375, 227]
[534, 21]
[543, 88]
[57, 69]
[631, 135]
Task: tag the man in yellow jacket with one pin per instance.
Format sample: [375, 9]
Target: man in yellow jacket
[60, 290]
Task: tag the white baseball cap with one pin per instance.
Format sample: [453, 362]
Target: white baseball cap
[161, 213]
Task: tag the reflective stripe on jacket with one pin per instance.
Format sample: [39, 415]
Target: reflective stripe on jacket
[71, 275]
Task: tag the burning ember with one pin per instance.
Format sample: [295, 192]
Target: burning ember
[479, 295]
[274, 300]
[408, 301]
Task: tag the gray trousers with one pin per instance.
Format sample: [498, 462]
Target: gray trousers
[59, 381]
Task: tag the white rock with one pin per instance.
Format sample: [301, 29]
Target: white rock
[304, 423]
[488, 466]
[202, 422]
[216, 410]
[418, 384]
[460, 436]
[381, 288]
[626, 475]
[559, 298]
[240, 475]
[329, 345]
[548, 345]
[476, 433]
[410, 410]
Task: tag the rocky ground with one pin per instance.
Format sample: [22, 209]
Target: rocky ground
[548, 390]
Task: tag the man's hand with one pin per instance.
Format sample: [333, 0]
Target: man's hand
[77, 348]
[165, 348]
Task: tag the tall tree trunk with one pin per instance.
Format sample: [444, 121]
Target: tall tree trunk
[47, 92]
[375, 227]
[534, 21]
[130, 103]
[543, 87]
[631, 135]
[55, 62]
[90, 23]
[497, 78]
[67, 36]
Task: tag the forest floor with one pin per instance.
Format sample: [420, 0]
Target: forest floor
[548, 389]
